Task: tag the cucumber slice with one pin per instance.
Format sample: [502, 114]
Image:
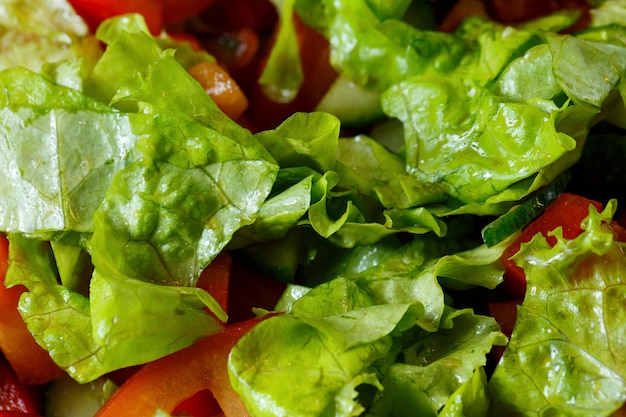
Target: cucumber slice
[67, 398]
[352, 104]
[519, 216]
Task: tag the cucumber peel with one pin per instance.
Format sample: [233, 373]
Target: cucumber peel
[519, 216]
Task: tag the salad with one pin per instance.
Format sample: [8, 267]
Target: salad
[312, 208]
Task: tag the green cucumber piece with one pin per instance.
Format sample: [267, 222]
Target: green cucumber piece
[519, 216]
[67, 398]
[352, 104]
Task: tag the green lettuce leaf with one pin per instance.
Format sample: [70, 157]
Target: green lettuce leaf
[372, 47]
[357, 304]
[372, 169]
[564, 355]
[478, 149]
[470, 400]
[437, 366]
[56, 178]
[332, 356]
[282, 75]
[73, 328]
[157, 191]
[35, 32]
[198, 177]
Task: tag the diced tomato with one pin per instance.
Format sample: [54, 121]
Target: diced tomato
[17, 414]
[167, 382]
[215, 279]
[221, 87]
[234, 49]
[96, 11]
[30, 361]
[15, 396]
[567, 212]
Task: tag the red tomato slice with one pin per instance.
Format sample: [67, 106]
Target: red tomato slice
[166, 382]
[175, 11]
[17, 414]
[264, 113]
[15, 396]
[96, 11]
[201, 404]
[567, 211]
[505, 313]
[511, 12]
[30, 361]
[215, 279]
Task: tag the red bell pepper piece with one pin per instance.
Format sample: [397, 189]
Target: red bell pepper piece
[167, 382]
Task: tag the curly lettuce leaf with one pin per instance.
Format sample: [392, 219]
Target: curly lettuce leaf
[160, 188]
[198, 176]
[478, 149]
[331, 356]
[438, 365]
[565, 353]
[374, 170]
[73, 328]
[488, 87]
[358, 305]
[372, 47]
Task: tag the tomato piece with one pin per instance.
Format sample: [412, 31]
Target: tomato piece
[15, 396]
[234, 49]
[505, 313]
[511, 12]
[16, 414]
[167, 382]
[264, 113]
[201, 404]
[175, 11]
[182, 37]
[95, 12]
[215, 278]
[252, 291]
[461, 10]
[232, 15]
[221, 87]
[30, 361]
[567, 212]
